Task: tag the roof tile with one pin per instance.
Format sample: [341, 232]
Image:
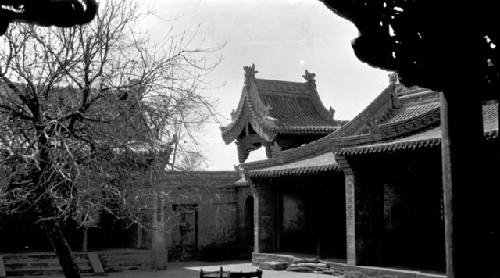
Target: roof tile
[296, 112]
[409, 112]
[293, 106]
[320, 163]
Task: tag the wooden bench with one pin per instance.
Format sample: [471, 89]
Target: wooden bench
[214, 274]
[228, 274]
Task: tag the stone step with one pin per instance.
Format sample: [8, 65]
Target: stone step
[41, 256]
[273, 265]
[33, 271]
[34, 260]
[21, 265]
[50, 276]
[38, 261]
[40, 271]
[36, 265]
[56, 275]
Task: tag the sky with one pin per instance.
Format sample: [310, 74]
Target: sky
[282, 38]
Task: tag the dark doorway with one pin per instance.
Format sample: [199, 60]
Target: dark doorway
[249, 224]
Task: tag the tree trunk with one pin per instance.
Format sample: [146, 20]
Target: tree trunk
[61, 246]
[46, 207]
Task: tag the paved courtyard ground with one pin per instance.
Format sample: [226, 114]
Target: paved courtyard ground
[192, 270]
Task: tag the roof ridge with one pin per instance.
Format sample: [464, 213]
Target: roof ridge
[283, 81]
[385, 98]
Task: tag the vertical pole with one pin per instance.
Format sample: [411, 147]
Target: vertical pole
[158, 234]
[85, 239]
[461, 149]
[350, 211]
[139, 236]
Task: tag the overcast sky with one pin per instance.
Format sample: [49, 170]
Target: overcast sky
[283, 38]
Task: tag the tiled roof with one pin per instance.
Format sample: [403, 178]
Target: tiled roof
[267, 86]
[318, 164]
[428, 138]
[295, 111]
[295, 106]
[279, 107]
[409, 112]
[490, 116]
[407, 119]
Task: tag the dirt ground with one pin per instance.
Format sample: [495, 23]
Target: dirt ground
[192, 270]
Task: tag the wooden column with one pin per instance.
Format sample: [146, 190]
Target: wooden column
[265, 229]
[363, 216]
[463, 186]
[350, 211]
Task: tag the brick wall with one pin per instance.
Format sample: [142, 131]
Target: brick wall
[216, 218]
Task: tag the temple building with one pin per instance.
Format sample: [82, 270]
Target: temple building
[367, 197]
[278, 115]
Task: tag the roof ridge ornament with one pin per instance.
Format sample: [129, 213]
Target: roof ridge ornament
[398, 88]
[310, 79]
[393, 78]
[249, 73]
[331, 111]
[234, 115]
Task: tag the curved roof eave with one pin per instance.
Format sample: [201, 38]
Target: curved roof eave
[248, 112]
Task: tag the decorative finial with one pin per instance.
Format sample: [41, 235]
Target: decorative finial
[332, 112]
[310, 78]
[233, 115]
[250, 71]
[393, 78]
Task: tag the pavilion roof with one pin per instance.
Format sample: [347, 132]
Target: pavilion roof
[274, 107]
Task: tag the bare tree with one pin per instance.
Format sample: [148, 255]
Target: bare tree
[192, 161]
[87, 112]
